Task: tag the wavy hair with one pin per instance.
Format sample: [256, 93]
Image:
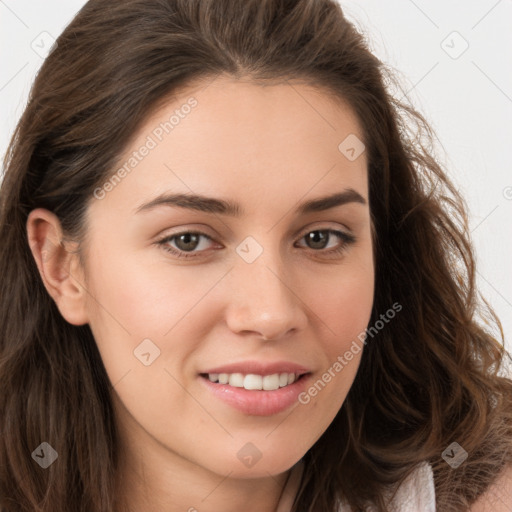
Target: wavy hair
[431, 377]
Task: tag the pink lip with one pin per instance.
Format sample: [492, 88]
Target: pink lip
[256, 402]
[260, 368]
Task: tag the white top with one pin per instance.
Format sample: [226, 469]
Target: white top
[416, 494]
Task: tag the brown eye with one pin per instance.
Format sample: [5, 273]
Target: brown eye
[185, 242]
[318, 240]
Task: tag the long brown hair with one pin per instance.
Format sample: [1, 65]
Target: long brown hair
[430, 378]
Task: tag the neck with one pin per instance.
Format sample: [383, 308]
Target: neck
[148, 489]
[152, 478]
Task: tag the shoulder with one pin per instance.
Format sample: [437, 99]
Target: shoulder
[417, 493]
[498, 498]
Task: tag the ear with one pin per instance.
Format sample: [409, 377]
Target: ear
[58, 266]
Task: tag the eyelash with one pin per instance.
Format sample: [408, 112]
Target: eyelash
[345, 237]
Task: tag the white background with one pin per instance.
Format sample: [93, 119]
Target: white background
[467, 100]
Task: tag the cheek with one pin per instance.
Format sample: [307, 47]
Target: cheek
[350, 307]
[133, 301]
[343, 303]
[147, 298]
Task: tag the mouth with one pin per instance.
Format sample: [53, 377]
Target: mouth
[254, 394]
[252, 381]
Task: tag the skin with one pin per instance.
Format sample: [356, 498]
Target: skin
[498, 498]
[268, 148]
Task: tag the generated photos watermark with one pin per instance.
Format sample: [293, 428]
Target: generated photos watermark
[152, 141]
[343, 360]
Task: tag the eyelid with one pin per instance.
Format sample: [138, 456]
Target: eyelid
[320, 226]
[323, 226]
[344, 235]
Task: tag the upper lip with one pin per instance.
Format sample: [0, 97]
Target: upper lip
[260, 368]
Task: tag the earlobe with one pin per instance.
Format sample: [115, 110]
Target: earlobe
[58, 265]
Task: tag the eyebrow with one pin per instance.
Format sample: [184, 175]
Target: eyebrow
[224, 207]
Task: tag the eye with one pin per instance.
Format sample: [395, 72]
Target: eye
[317, 239]
[188, 243]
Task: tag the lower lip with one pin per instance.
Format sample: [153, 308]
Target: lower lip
[258, 402]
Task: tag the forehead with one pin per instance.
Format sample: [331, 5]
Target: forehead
[237, 137]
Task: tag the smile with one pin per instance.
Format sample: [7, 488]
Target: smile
[252, 381]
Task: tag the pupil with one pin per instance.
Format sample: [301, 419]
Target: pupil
[314, 238]
[187, 239]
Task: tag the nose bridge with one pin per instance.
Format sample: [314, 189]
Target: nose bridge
[262, 293]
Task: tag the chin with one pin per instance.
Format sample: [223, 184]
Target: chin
[247, 465]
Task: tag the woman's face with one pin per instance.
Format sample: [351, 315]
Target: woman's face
[180, 290]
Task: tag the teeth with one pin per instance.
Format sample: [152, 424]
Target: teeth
[236, 380]
[252, 381]
[271, 382]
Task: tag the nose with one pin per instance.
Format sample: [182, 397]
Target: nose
[264, 299]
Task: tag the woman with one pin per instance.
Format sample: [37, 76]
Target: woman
[232, 281]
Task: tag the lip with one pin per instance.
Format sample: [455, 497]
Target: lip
[256, 402]
[260, 368]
